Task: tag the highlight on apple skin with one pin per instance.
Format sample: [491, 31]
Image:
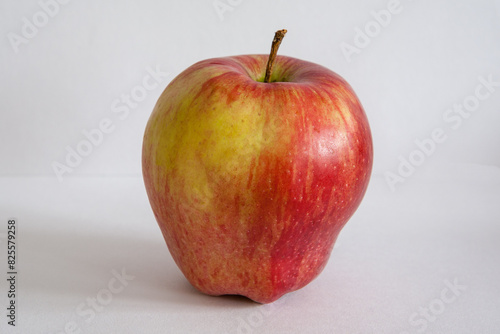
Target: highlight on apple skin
[251, 182]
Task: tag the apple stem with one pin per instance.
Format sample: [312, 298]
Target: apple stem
[278, 37]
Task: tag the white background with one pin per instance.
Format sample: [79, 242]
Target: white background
[437, 225]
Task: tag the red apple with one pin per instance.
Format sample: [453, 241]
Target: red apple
[251, 181]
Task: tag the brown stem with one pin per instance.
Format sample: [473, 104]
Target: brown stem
[278, 37]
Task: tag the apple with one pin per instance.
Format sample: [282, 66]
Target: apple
[252, 177]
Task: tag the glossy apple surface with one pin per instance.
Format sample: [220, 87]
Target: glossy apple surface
[251, 182]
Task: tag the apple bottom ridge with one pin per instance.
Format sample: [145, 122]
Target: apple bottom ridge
[263, 281]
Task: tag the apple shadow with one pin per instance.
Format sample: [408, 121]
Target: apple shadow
[76, 264]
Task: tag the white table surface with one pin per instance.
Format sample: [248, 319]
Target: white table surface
[421, 259]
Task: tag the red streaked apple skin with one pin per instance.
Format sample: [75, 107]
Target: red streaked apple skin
[251, 182]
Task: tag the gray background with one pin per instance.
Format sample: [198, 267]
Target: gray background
[419, 256]
[65, 78]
